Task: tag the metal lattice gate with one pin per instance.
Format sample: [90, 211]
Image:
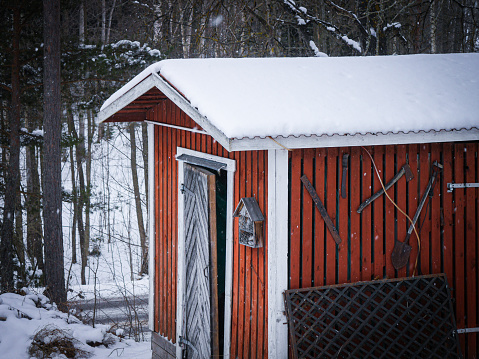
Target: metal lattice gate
[398, 318]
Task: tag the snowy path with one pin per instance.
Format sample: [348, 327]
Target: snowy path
[129, 314]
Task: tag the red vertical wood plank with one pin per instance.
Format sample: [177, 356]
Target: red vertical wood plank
[254, 263]
[248, 262]
[319, 238]
[179, 143]
[355, 217]
[242, 264]
[157, 223]
[330, 204]
[389, 211]
[436, 213]
[174, 252]
[187, 133]
[265, 259]
[448, 214]
[343, 221]
[412, 204]
[425, 170]
[471, 254]
[209, 144]
[193, 140]
[307, 240]
[204, 148]
[378, 211]
[401, 201]
[183, 134]
[295, 249]
[169, 234]
[366, 270]
[476, 196]
[235, 286]
[164, 239]
[459, 241]
[174, 218]
[262, 257]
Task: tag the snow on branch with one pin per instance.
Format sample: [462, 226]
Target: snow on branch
[301, 14]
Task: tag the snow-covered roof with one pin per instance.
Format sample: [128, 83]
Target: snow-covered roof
[343, 96]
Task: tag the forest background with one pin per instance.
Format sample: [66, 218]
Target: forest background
[104, 43]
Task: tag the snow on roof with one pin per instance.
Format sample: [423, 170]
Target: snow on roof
[251, 97]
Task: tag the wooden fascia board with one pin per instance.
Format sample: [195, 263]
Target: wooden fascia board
[183, 104]
[248, 144]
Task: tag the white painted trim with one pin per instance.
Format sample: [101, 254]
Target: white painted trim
[194, 130]
[151, 225]
[277, 252]
[257, 143]
[181, 280]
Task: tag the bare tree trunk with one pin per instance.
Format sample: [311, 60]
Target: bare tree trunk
[139, 212]
[81, 26]
[71, 128]
[52, 212]
[144, 135]
[88, 157]
[110, 16]
[80, 153]
[32, 204]
[6, 253]
[433, 26]
[18, 236]
[103, 22]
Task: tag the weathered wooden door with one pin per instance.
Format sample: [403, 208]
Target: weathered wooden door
[201, 309]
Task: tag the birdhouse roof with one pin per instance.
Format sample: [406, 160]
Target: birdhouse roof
[251, 207]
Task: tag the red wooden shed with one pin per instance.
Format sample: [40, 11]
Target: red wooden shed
[223, 130]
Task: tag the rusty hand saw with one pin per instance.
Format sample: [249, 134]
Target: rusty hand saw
[322, 209]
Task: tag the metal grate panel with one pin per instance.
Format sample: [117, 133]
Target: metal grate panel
[397, 318]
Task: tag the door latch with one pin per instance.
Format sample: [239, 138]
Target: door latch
[451, 186]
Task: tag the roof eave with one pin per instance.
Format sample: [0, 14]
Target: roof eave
[315, 141]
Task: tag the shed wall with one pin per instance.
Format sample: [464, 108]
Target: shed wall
[249, 302]
[448, 228]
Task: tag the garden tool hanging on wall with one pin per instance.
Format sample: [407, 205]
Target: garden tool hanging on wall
[405, 170]
[401, 250]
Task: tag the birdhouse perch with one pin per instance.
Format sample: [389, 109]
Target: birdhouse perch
[250, 223]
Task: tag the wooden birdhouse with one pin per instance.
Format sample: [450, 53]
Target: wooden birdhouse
[250, 223]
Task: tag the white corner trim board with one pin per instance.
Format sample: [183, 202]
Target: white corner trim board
[181, 279]
[151, 225]
[277, 252]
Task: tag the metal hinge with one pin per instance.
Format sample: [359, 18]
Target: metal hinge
[467, 330]
[451, 186]
[184, 189]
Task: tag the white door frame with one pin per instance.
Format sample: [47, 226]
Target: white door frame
[181, 278]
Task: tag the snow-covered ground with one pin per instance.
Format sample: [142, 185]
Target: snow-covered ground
[22, 317]
[112, 270]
